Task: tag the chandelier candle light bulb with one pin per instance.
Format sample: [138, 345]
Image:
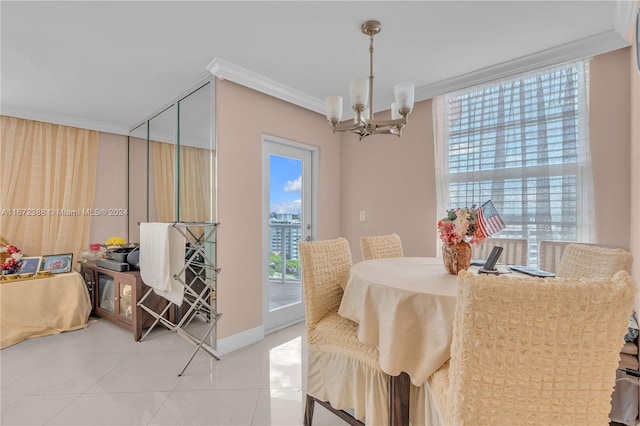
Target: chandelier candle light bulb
[361, 97]
[333, 107]
[403, 93]
[359, 93]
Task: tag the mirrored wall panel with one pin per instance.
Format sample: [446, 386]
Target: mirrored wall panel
[178, 179]
[197, 156]
[138, 186]
[162, 166]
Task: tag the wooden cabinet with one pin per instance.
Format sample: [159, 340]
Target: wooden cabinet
[115, 296]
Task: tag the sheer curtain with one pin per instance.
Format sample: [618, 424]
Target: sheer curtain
[522, 142]
[48, 185]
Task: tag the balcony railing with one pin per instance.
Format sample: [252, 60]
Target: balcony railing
[284, 263]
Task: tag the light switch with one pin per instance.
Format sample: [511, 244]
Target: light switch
[363, 216]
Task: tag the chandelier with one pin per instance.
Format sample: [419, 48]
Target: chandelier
[361, 93]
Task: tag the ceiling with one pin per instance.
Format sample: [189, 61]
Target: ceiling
[109, 65]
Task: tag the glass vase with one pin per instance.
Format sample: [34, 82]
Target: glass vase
[456, 257]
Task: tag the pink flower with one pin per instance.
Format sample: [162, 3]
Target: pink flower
[447, 232]
[459, 226]
[14, 260]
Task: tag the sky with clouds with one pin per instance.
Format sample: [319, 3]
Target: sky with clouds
[285, 184]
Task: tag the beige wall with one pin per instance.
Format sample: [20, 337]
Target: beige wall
[243, 116]
[634, 232]
[609, 133]
[111, 189]
[393, 181]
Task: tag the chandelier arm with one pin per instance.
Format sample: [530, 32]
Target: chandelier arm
[383, 123]
[372, 127]
[363, 132]
[387, 131]
[342, 127]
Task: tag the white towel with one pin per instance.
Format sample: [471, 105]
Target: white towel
[162, 250]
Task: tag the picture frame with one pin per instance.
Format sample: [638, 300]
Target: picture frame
[57, 263]
[30, 266]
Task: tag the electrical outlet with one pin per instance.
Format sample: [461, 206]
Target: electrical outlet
[363, 216]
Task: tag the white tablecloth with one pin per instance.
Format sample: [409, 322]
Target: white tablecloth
[405, 307]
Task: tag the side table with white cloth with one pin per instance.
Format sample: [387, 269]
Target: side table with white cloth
[42, 306]
[404, 306]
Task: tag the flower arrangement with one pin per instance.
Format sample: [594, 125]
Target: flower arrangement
[115, 241]
[460, 225]
[14, 259]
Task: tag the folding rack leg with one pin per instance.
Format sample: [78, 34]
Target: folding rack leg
[193, 305]
[200, 343]
[158, 316]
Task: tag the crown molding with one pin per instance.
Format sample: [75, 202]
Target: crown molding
[580, 49]
[64, 120]
[227, 71]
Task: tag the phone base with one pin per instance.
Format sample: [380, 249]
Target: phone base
[488, 271]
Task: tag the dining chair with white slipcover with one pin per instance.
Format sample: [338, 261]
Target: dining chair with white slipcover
[514, 357]
[588, 260]
[550, 254]
[515, 250]
[343, 373]
[592, 261]
[381, 246]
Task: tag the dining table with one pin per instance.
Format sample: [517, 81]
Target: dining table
[405, 307]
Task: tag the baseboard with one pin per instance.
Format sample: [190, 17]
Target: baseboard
[240, 340]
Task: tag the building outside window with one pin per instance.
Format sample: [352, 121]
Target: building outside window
[284, 230]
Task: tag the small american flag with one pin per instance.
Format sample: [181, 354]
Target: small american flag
[488, 220]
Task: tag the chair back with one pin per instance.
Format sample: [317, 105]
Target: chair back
[582, 260]
[550, 254]
[381, 246]
[515, 250]
[536, 351]
[325, 265]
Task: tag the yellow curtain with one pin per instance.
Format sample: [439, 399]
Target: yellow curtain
[48, 185]
[196, 194]
[163, 157]
[196, 183]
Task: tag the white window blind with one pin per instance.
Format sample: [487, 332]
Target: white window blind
[523, 143]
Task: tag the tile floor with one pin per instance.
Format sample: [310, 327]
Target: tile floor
[101, 376]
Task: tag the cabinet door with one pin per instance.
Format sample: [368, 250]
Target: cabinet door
[106, 297]
[126, 299]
